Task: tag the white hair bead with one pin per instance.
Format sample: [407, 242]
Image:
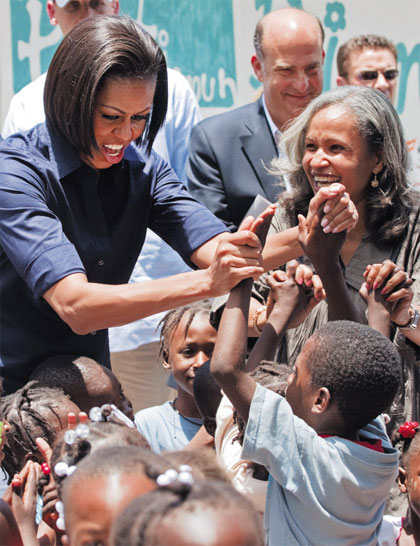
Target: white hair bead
[163, 480]
[82, 431]
[60, 524]
[70, 436]
[61, 469]
[95, 414]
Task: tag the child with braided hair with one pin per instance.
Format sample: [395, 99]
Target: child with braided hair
[102, 484]
[69, 449]
[31, 412]
[186, 512]
[405, 531]
[187, 341]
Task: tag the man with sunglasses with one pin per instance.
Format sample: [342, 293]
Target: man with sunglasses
[369, 60]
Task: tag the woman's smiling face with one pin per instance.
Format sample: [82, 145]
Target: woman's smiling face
[336, 152]
[121, 112]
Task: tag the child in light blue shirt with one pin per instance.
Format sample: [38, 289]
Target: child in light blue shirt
[330, 461]
[187, 341]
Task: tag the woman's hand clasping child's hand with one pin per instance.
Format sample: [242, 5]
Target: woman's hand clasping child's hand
[295, 292]
[388, 286]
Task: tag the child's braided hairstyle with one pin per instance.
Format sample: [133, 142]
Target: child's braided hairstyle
[138, 523]
[24, 410]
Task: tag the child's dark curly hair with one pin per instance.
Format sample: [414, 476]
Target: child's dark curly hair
[140, 522]
[360, 367]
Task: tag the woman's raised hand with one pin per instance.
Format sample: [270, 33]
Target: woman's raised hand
[394, 287]
[238, 255]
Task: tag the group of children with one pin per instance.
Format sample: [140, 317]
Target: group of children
[245, 437]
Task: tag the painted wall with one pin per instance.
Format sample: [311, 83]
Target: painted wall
[210, 42]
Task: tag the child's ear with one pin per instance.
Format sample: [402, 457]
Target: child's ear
[402, 484]
[165, 356]
[322, 400]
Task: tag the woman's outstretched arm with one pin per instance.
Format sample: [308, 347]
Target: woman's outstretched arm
[86, 306]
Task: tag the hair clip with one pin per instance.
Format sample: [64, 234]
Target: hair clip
[59, 506]
[38, 508]
[183, 476]
[105, 412]
[408, 429]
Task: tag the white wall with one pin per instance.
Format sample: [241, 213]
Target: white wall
[210, 41]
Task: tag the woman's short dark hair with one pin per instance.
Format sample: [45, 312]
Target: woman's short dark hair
[97, 50]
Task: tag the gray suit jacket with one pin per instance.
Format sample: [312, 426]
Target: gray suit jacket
[227, 167]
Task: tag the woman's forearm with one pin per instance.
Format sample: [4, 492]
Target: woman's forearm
[281, 248]
[87, 306]
[340, 304]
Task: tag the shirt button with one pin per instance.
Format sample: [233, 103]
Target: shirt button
[101, 262]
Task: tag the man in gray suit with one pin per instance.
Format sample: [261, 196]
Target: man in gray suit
[230, 152]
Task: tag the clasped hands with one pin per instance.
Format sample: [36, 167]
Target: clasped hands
[239, 255]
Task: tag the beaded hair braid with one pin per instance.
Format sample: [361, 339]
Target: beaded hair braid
[138, 523]
[23, 410]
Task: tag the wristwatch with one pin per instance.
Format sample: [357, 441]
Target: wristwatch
[413, 322]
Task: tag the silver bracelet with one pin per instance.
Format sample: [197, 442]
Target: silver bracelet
[413, 322]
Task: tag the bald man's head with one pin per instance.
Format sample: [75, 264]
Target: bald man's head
[288, 61]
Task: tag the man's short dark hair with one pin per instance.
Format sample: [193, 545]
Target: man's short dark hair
[358, 43]
[360, 367]
[97, 50]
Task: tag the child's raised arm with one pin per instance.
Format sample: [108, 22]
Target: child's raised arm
[228, 360]
[323, 249]
[293, 295]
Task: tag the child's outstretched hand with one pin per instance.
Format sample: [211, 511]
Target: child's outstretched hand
[21, 496]
[261, 224]
[294, 292]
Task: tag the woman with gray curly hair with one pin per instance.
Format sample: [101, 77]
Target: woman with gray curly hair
[353, 136]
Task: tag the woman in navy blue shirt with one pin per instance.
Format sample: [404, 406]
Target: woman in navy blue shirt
[77, 195]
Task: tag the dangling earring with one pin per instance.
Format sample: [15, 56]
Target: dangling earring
[375, 182]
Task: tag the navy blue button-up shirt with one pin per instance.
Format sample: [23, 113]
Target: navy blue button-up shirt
[59, 216]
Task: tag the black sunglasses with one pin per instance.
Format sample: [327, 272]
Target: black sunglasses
[369, 75]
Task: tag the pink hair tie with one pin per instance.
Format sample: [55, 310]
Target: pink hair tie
[408, 429]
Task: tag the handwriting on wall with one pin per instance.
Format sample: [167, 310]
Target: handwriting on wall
[206, 40]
